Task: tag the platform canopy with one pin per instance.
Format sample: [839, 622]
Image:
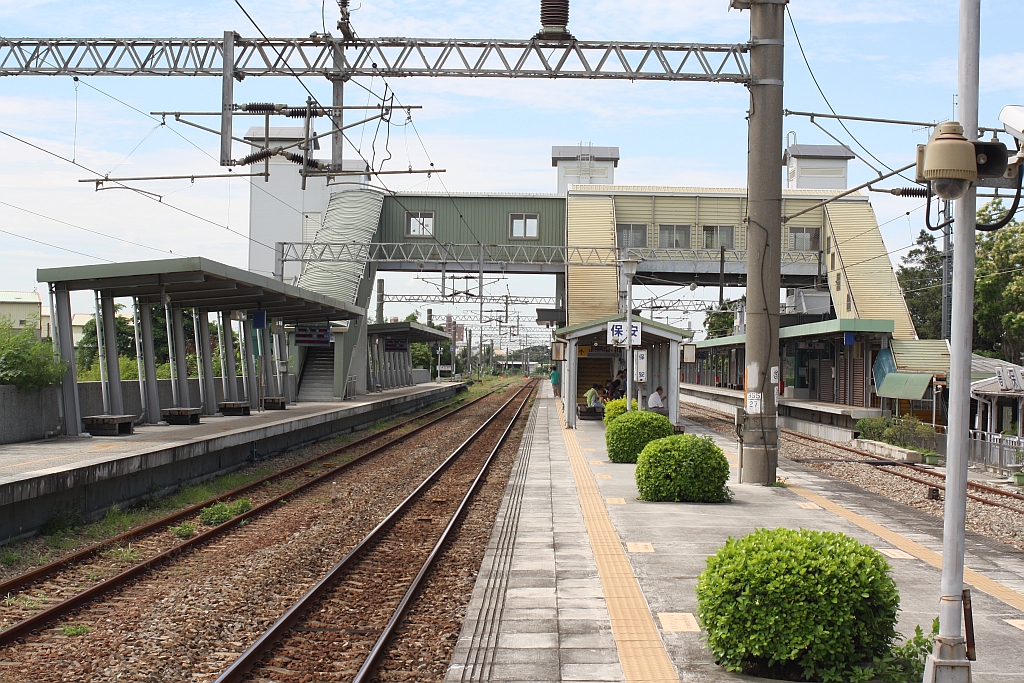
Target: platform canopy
[196, 282]
[413, 332]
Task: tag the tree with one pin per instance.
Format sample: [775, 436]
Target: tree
[720, 323]
[26, 362]
[920, 278]
[86, 353]
[999, 286]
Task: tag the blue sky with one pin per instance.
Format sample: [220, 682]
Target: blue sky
[872, 58]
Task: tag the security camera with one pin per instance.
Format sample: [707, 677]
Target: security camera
[1012, 116]
[948, 161]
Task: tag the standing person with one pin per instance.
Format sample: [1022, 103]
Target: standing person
[556, 381]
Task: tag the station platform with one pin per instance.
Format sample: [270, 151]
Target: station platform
[832, 421]
[583, 582]
[88, 474]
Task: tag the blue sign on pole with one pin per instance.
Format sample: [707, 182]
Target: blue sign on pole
[259, 320]
[848, 338]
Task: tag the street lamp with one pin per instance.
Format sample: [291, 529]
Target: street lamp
[627, 270]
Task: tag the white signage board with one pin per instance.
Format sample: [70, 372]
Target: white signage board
[1001, 379]
[753, 402]
[617, 333]
[689, 353]
[1014, 380]
[640, 365]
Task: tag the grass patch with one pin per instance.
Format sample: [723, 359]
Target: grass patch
[61, 522]
[61, 541]
[126, 553]
[74, 629]
[183, 530]
[221, 512]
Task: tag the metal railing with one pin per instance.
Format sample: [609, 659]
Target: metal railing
[1000, 453]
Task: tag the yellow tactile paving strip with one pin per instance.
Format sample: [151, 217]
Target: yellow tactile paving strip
[976, 579]
[641, 651]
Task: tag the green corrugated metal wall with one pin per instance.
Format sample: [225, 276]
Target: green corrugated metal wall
[486, 217]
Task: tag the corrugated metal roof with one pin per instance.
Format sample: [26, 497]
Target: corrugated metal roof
[921, 355]
[818, 152]
[906, 385]
[866, 270]
[703, 191]
[12, 297]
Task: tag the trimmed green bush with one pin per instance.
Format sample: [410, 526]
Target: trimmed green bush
[683, 468]
[804, 604]
[627, 435]
[872, 428]
[615, 408]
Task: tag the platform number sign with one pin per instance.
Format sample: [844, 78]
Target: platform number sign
[617, 333]
[640, 366]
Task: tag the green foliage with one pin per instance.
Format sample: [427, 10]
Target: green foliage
[872, 428]
[683, 468]
[909, 432]
[615, 408]
[903, 663]
[627, 435]
[184, 530]
[128, 553]
[221, 512]
[87, 351]
[920, 270]
[75, 629]
[61, 521]
[26, 362]
[793, 604]
[720, 323]
[999, 286]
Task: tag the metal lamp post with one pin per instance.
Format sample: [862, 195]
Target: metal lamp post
[627, 269]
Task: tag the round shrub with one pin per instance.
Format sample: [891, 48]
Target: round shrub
[615, 408]
[627, 435]
[683, 468]
[790, 604]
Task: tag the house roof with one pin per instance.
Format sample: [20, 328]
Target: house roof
[594, 326]
[12, 297]
[921, 355]
[825, 327]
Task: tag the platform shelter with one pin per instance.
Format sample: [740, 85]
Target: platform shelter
[198, 287]
[389, 351]
[591, 360]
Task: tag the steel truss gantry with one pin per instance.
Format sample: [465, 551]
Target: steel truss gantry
[654, 303]
[326, 56]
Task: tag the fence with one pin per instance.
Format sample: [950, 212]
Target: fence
[997, 452]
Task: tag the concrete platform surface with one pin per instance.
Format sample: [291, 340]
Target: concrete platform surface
[86, 475]
[552, 604]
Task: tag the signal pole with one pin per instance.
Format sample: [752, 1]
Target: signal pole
[764, 236]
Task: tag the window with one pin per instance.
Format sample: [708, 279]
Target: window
[804, 239]
[839, 281]
[849, 301]
[631, 234]
[419, 223]
[717, 236]
[833, 260]
[523, 225]
[674, 236]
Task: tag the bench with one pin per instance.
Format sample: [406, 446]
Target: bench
[588, 413]
[273, 403]
[233, 408]
[109, 425]
[180, 416]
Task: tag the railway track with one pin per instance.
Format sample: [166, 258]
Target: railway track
[342, 626]
[38, 598]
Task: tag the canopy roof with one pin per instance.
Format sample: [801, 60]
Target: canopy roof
[598, 326]
[414, 332]
[197, 282]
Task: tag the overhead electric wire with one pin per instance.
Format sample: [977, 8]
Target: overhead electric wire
[810, 71]
[55, 246]
[79, 227]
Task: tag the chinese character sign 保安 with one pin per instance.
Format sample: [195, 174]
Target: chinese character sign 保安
[617, 333]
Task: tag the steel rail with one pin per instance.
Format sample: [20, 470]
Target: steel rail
[248, 659]
[370, 664]
[41, 619]
[971, 484]
[39, 573]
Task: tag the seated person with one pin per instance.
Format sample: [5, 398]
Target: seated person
[593, 397]
[655, 402]
[617, 389]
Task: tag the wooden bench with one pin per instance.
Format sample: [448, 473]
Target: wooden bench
[587, 413]
[233, 408]
[109, 425]
[180, 416]
[273, 403]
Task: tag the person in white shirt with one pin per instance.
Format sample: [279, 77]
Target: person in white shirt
[654, 401]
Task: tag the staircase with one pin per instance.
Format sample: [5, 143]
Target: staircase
[317, 380]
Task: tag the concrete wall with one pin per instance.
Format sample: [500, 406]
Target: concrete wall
[420, 376]
[90, 395]
[28, 415]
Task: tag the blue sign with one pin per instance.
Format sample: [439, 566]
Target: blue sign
[848, 338]
[259, 320]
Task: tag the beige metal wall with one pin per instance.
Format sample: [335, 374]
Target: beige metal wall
[591, 291]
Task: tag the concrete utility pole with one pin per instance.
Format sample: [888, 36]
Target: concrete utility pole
[764, 237]
[948, 662]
